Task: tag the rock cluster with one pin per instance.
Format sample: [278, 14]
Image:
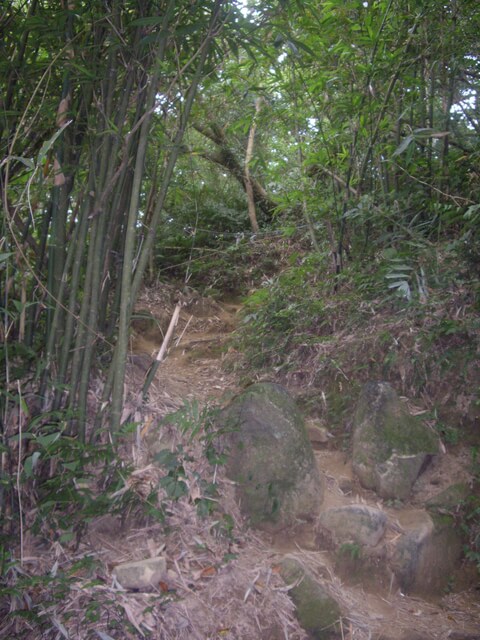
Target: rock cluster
[278, 484]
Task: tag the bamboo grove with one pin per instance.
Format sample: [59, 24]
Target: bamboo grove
[366, 123]
[85, 87]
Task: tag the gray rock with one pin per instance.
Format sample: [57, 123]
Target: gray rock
[271, 459]
[390, 447]
[143, 574]
[396, 476]
[355, 523]
[425, 556]
[316, 610]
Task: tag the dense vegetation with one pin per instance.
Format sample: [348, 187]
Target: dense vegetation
[323, 153]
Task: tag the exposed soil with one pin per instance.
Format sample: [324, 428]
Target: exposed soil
[193, 370]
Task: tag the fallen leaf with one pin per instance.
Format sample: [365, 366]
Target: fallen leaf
[208, 572]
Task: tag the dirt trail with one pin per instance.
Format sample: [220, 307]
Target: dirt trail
[194, 370]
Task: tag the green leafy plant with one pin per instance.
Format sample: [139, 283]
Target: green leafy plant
[196, 424]
[351, 549]
[199, 423]
[174, 481]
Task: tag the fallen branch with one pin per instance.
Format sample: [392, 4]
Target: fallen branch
[161, 353]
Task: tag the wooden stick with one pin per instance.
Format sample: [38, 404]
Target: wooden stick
[161, 353]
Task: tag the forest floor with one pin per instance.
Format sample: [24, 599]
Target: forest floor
[194, 371]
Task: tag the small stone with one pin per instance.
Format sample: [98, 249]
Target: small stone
[143, 574]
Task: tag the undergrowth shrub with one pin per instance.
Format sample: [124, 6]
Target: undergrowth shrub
[61, 484]
[286, 311]
[57, 485]
[199, 449]
[53, 486]
[312, 328]
[230, 268]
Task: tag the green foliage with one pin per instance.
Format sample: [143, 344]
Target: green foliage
[350, 549]
[193, 420]
[62, 473]
[197, 425]
[449, 435]
[224, 264]
[61, 486]
[286, 311]
[36, 599]
[173, 483]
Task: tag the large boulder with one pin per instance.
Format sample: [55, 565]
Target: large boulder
[390, 447]
[424, 557]
[317, 611]
[271, 459]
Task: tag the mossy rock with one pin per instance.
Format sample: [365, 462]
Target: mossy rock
[270, 458]
[390, 447]
[316, 610]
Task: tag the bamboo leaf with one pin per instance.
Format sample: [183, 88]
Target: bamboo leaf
[49, 439]
[28, 162]
[30, 464]
[403, 146]
[390, 276]
[46, 146]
